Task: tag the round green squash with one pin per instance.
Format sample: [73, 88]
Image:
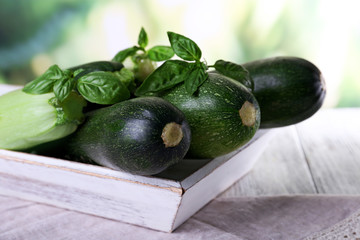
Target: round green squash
[223, 115]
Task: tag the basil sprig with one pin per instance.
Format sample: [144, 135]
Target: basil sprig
[45, 82]
[157, 53]
[109, 86]
[190, 71]
[107, 82]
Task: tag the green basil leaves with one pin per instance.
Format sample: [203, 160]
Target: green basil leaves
[143, 38]
[169, 74]
[156, 53]
[45, 82]
[108, 82]
[173, 72]
[195, 77]
[141, 58]
[190, 71]
[123, 54]
[103, 87]
[160, 53]
[63, 87]
[184, 47]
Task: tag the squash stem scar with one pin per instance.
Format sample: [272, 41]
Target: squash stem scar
[248, 114]
[172, 134]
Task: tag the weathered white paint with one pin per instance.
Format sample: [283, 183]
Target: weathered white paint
[137, 201]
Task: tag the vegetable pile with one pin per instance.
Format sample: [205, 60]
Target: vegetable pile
[142, 118]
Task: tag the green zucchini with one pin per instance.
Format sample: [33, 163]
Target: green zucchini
[223, 115]
[288, 89]
[28, 120]
[103, 66]
[142, 136]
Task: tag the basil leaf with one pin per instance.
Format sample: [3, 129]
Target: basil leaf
[64, 86]
[169, 74]
[184, 47]
[196, 76]
[39, 86]
[102, 88]
[143, 38]
[123, 54]
[45, 82]
[160, 53]
[234, 71]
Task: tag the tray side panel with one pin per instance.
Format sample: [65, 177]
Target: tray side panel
[129, 202]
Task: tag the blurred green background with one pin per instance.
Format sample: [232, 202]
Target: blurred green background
[35, 34]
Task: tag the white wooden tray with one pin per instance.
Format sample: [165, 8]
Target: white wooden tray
[161, 202]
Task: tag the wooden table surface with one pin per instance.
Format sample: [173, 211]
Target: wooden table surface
[320, 155]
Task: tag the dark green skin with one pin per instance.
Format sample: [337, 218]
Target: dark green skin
[127, 136]
[106, 66]
[213, 115]
[288, 89]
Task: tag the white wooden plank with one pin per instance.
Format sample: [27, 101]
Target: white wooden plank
[280, 170]
[144, 208]
[331, 142]
[140, 204]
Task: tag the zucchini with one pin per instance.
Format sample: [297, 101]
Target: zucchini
[142, 136]
[223, 115]
[288, 89]
[28, 120]
[103, 66]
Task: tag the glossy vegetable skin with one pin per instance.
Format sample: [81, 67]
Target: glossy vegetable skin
[223, 115]
[142, 136]
[288, 89]
[104, 66]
